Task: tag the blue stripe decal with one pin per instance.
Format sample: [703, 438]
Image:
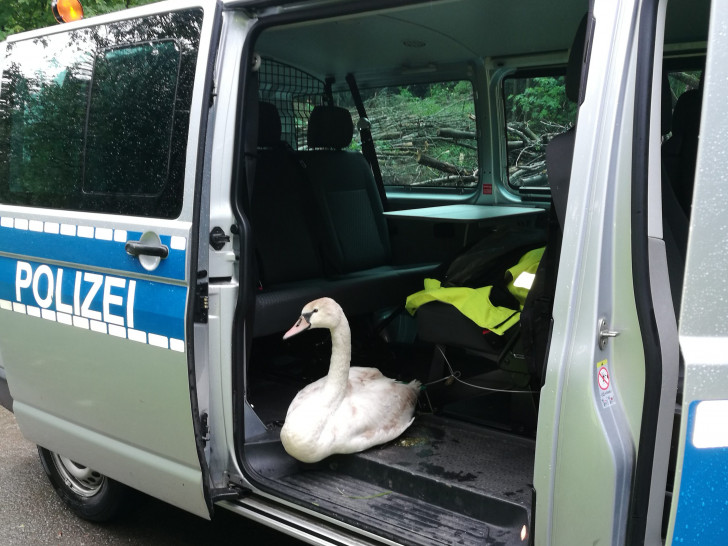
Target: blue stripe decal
[140, 310]
[702, 509]
[86, 245]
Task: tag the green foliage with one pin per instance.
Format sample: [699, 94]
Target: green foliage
[536, 110]
[21, 15]
[542, 100]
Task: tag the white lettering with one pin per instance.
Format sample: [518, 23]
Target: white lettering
[130, 304]
[23, 278]
[43, 271]
[60, 306]
[77, 294]
[96, 280]
[113, 299]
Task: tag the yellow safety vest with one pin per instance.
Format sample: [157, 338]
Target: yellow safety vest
[475, 303]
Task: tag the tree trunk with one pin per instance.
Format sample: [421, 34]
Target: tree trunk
[446, 132]
[443, 166]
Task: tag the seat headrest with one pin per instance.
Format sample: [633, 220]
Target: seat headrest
[576, 58]
[330, 127]
[269, 125]
[686, 116]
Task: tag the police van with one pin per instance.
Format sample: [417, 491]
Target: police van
[178, 180]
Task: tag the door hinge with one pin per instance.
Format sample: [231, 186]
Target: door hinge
[202, 298]
[605, 333]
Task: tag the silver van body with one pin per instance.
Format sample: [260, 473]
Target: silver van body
[145, 280]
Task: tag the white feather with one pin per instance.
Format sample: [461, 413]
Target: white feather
[350, 409]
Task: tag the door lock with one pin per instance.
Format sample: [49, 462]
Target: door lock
[605, 333]
[218, 238]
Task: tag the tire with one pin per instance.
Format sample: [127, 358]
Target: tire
[89, 494]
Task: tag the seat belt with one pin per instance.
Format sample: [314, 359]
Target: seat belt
[367, 143]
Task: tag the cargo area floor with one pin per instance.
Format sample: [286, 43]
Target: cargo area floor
[442, 482]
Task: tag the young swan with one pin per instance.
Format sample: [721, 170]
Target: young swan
[350, 409]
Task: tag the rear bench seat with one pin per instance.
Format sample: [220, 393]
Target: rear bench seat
[319, 227]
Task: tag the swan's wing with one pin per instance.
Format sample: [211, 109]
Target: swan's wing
[359, 374]
[374, 414]
[306, 394]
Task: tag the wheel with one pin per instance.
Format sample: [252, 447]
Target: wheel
[89, 494]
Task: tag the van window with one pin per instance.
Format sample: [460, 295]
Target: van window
[425, 134]
[96, 119]
[130, 120]
[536, 110]
[294, 93]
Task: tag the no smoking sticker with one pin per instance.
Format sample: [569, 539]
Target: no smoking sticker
[606, 394]
[603, 378]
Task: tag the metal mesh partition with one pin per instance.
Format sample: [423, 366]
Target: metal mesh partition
[294, 93]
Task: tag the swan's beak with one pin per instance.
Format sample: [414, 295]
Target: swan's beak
[301, 325]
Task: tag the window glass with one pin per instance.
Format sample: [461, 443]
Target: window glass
[294, 93]
[424, 134]
[681, 81]
[130, 119]
[96, 119]
[536, 110]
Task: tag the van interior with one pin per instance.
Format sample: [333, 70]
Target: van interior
[319, 225]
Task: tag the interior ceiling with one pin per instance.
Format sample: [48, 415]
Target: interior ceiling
[439, 33]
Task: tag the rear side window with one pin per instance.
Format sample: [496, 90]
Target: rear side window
[536, 110]
[425, 134]
[96, 119]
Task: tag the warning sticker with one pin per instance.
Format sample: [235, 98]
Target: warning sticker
[603, 378]
[606, 394]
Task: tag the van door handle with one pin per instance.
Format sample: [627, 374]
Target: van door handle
[137, 248]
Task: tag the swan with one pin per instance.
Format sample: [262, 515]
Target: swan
[350, 409]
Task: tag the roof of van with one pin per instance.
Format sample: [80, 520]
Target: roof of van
[427, 36]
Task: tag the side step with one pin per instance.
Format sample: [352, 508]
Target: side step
[398, 517]
[482, 473]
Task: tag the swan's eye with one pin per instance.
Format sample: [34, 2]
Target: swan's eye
[315, 310]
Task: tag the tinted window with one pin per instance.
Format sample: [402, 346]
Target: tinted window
[131, 115]
[536, 110]
[96, 119]
[424, 134]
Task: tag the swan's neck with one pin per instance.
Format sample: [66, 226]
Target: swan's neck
[338, 378]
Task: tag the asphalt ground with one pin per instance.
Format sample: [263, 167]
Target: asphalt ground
[32, 514]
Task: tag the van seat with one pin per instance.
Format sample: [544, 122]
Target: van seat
[679, 152]
[355, 234]
[319, 227]
[286, 248]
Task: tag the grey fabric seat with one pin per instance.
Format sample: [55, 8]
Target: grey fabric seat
[286, 247]
[679, 152]
[320, 230]
[679, 155]
[355, 234]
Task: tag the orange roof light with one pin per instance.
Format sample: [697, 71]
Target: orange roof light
[66, 11]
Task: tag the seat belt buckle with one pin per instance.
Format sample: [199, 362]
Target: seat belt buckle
[363, 124]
